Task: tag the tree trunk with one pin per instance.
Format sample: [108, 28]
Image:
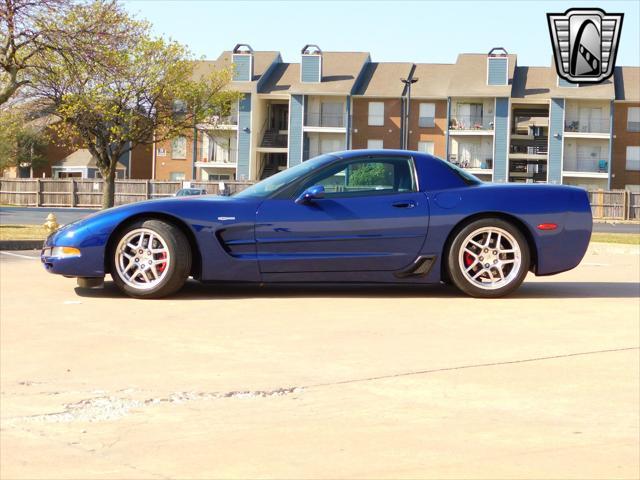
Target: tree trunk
[109, 190]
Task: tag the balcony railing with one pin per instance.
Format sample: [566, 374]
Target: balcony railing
[529, 149]
[586, 163]
[313, 119]
[592, 125]
[229, 155]
[471, 122]
[481, 161]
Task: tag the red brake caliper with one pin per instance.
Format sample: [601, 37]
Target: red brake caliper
[468, 259]
[162, 265]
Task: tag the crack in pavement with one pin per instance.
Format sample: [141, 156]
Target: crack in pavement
[107, 407]
[463, 367]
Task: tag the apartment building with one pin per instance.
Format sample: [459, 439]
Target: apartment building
[625, 173]
[378, 106]
[559, 132]
[319, 92]
[485, 113]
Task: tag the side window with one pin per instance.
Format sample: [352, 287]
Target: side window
[367, 176]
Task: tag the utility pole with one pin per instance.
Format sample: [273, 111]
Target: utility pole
[405, 134]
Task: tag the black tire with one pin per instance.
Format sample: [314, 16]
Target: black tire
[177, 270]
[515, 276]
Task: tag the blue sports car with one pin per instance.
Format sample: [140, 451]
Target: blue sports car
[362, 216]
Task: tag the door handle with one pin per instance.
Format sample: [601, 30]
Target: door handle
[406, 204]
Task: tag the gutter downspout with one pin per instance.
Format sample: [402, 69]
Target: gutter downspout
[610, 163]
[194, 153]
[446, 131]
[153, 156]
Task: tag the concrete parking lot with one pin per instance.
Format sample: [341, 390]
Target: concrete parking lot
[322, 382]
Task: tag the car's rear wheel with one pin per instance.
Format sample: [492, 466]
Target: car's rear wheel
[488, 258]
[151, 259]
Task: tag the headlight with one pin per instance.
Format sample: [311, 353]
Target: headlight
[61, 252]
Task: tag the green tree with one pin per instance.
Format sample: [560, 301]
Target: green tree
[22, 143]
[371, 174]
[136, 90]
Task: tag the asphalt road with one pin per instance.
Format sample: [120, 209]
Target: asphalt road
[311, 382]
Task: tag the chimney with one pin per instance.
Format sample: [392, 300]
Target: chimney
[497, 67]
[242, 57]
[311, 64]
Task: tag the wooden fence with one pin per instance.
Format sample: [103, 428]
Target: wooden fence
[47, 192]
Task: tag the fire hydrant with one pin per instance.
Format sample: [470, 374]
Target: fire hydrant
[51, 225]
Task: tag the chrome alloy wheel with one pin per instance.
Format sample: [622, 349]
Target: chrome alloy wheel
[142, 259]
[490, 258]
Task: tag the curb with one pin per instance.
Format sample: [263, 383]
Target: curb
[21, 244]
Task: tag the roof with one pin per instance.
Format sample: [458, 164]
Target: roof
[262, 60]
[383, 79]
[433, 80]
[533, 83]
[469, 77]
[340, 70]
[627, 83]
[82, 158]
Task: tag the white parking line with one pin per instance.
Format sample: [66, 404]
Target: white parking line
[20, 256]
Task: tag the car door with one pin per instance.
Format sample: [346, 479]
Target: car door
[372, 217]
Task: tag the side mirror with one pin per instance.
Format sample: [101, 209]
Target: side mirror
[312, 193]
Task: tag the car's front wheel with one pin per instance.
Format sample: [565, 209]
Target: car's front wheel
[488, 258]
[151, 259]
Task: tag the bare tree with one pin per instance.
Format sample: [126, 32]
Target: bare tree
[31, 30]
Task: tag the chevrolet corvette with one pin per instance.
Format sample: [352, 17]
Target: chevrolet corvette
[360, 216]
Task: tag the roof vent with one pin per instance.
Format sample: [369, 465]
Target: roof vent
[497, 66]
[311, 64]
[242, 57]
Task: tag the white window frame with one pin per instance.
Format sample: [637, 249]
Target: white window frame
[635, 166]
[184, 176]
[633, 119]
[375, 144]
[424, 106]
[421, 148]
[173, 149]
[375, 119]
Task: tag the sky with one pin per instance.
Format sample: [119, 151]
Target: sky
[417, 31]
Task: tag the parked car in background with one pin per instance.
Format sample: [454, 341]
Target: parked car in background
[367, 216]
[190, 192]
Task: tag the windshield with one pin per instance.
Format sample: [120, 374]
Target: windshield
[269, 185]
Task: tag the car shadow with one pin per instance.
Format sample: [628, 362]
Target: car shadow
[194, 290]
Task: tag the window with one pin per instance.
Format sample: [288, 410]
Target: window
[426, 147]
[331, 114]
[176, 176]
[427, 115]
[205, 147]
[376, 114]
[179, 148]
[633, 119]
[633, 158]
[367, 176]
[375, 144]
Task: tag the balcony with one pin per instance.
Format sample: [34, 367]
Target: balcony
[589, 125]
[471, 123]
[476, 162]
[325, 120]
[586, 164]
[220, 157]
